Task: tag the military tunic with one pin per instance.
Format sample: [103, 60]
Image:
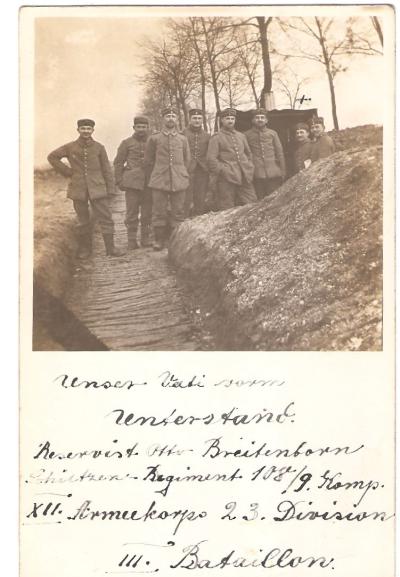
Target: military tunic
[130, 176]
[89, 169]
[302, 153]
[230, 163]
[268, 159]
[322, 147]
[129, 168]
[167, 159]
[91, 180]
[198, 170]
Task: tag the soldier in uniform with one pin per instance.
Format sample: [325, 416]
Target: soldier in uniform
[303, 147]
[323, 144]
[130, 176]
[167, 159]
[91, 181]
[230, 163]
[198, 171]
[268, 157]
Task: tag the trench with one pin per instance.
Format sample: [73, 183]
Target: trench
[127, 303]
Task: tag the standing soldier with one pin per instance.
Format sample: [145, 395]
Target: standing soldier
[322, 144]
[167, 158]
[198, 172]
[91, 181]
[230, 162]
[268, 157]
[303, 147]
[130, 176]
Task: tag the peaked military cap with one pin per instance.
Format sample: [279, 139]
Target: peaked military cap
[302, 126]
[227, 112]
[259, 111]
[317, 120]
[194, 111]
[86, 122]
[140, 120]
[169, 110]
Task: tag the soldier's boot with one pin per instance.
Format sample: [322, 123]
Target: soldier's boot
[132, 242]
[111, 250]
[85, 246]
[145, 237]
[159, 235]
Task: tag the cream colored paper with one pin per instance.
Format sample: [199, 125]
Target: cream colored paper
[320, 416]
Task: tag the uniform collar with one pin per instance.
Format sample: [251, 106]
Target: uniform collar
[139, 138]
[195, 129]
[85, 141]
[228, 130]
[173, 132]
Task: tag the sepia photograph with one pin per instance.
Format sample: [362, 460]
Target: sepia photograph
[207, 303]
[209, 182]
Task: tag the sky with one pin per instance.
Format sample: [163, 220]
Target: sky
[88, 67]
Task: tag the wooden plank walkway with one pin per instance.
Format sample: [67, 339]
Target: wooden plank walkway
[131, 302]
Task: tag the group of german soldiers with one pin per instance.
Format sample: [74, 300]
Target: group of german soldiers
[166, 176]
[310, 150]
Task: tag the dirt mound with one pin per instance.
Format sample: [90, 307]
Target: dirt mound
[55, 241]
[357, 137]
[55, 247]
[301, 270]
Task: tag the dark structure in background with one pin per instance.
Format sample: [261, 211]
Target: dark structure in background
[283, 122]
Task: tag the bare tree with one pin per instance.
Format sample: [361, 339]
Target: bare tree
[218, 37]
[263, 24]
[218, 61]
[233, 87]
[290, 84]
[223, 58]
[325, 46]
[188, 29]
[153, 101]
[249, 59]
[378, 29]
[262, 40]
[207, 46]
[217, 44]
[330, 42]
[361, 36]
[171, 68]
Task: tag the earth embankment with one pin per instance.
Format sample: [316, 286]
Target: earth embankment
[300, 270]
[55, 246]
